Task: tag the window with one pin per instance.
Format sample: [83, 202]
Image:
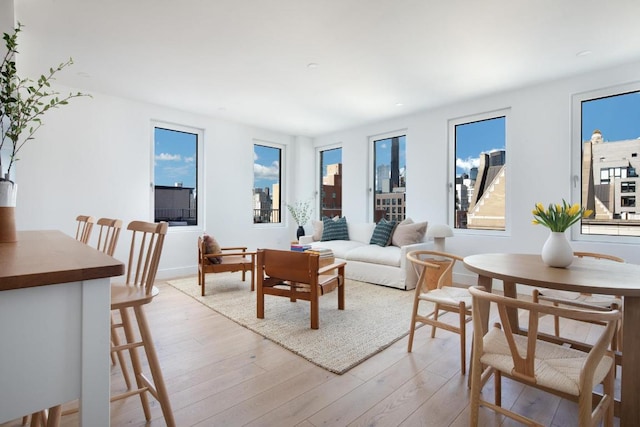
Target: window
[479, 147]
[331, 182]
[267, 174]
[389, 177]
[177, 150]
[606, 129]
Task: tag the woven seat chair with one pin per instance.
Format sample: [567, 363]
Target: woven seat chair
[435, 285]
[582, 300]
[554, 368]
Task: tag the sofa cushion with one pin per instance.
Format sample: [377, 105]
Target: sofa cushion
[334, 229]
[409, 234]
[382, 233]
[361, 231]
[388, 255]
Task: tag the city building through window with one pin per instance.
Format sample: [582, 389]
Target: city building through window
[479, 145]
[389, 178]
[331, 183]
[609, 147]
[176, 174]
[267, 174]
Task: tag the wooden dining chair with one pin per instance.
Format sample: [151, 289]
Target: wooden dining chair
[84, 227]
[435, 286]
[297, 275]
[128, 299]
[563, 371]
[108, 236]
[228, 259]
[584, 300]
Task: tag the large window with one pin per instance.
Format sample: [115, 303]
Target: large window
[331, 182]
[480, 154]
[389, 177]
[176, 174]
[607, 130]
[267, 174]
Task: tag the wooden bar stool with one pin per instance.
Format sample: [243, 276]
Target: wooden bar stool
[85, 225]
[129, 299]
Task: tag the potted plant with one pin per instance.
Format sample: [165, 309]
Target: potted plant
[556, 251]
[301, 213]
[23, 102]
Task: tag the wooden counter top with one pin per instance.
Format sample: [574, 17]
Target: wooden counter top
[49, 257]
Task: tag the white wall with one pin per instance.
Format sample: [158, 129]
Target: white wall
[538, 160]
[93, 157]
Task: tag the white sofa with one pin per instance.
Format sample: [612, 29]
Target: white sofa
[372, 263]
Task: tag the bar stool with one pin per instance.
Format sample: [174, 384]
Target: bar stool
[129, 298]
[85, 225]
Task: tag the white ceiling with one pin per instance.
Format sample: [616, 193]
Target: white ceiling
[247, 60]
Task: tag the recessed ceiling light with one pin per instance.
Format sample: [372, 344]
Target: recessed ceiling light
[583, 53]
[312, 65]
[399, 104]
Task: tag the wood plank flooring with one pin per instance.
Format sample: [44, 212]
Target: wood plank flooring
[220, 374]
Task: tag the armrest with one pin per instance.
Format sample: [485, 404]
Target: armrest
[234, 248]
[330, 267]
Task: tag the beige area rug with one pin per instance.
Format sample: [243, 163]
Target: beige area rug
[374, 318]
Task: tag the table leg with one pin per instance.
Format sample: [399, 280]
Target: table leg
[630, 415]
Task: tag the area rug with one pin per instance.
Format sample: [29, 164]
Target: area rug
[374, 318]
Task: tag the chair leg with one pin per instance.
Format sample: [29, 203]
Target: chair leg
[135, 361]
[556, 322]
[463, 338]
[609, 391]
[412, 328]
[115, 340]
[154, 366]
[435, 318]
[497, 379]
[476, 386]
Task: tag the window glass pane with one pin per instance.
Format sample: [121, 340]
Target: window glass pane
[175, 176]
[266, 184]
[610, 132]
[331, 183]
[480, 156]
[390, 178]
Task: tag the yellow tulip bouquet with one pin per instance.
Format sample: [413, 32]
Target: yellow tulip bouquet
[559, 217]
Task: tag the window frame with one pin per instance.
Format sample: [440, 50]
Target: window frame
[282, 208]
[451, 172]
[576, 158]
[371, 199]
[200, 196]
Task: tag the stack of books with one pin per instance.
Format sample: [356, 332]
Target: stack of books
[296, 247]
[326, 255]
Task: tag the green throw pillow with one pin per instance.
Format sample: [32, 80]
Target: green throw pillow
[334, 229]
[382, 233]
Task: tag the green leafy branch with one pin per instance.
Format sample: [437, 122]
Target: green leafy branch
[24, 101]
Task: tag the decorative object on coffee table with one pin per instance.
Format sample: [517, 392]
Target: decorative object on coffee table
[301, 213]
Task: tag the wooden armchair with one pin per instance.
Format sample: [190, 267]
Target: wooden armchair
[297, 275]
[230, 259]
[553, 368]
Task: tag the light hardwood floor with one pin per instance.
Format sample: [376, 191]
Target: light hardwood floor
[220, 374]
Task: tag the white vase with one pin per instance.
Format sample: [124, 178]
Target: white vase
[556, 251]
[8, 192]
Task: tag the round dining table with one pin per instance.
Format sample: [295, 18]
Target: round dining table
[586, 275]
